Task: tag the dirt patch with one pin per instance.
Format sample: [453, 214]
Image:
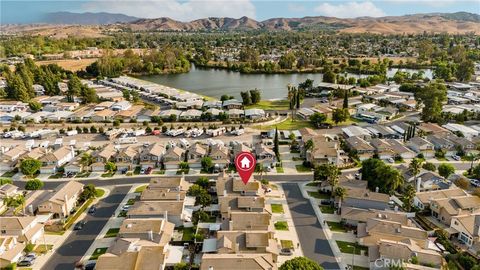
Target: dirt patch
[70, 64]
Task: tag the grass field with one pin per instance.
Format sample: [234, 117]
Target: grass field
[188, 234]
[318, 195]
[286, 244]
[347, 247]
[70, 64]
[270, 105]
[327, 209]
[288, 124]
[279, 169]
[99, 192]
[140, 189]
[336, 226]
[98, 252]
[277, 208]
[301, 168]
[112, 232]
[281, 226]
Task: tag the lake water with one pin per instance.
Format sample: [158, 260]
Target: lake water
[217, 82]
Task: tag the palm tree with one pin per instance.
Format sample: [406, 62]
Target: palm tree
[308, 146]
[408, 196]
[332, 175]
[340, 193]
[86, 160]
[415, 166]
[262, 170]
[473, 157]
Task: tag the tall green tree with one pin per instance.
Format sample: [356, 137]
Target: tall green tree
[345, 99]
[74, 87]
[300, 263]
[432, 96]
[445, 169]
[30, 166]
[340, 115]
[246, 100]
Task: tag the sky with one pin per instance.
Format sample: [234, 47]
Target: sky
[29, 11]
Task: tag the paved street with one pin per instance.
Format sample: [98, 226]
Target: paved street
[314, 243]
[78, 242]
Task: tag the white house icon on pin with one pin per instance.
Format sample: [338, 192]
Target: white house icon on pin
[245, 163]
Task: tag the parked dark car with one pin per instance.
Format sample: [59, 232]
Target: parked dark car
[149, 170]
[286, 252]
[27, 261]
[79, 225]
[92, 209]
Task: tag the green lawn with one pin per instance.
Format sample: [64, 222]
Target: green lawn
[98, 252]
[130, 201]
[99, 192]
[188, 234]
[122, 214]
[42, 249]
[112, 232]
[318, 195]
[281, 226]
[327, 209]
[287, 124]
[10, 173]
[270, 105]
[336, 226]
[277, 208]
[140, 189]
[108, 174]
[159, 172]
[56, 176]
[279, 169]
[286, 244]
[73, 218]
[182, 171]
[347, 247]
[346, 123]
[301, 168]
[83, 175]
[312, 184]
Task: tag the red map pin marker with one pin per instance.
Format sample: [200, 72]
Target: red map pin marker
[245, 163]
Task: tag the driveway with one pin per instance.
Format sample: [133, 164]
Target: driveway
[78, 242]
[313, 241]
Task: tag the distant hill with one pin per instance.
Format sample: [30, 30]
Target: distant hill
[86, 18]
[460, 22]
[101, 23]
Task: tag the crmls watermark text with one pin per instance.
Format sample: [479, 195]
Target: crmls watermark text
[386, 262]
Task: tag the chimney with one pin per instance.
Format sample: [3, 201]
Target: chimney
[72, 151]
[476, 226]
[225, 193]
[165, 215]
[419, 182]
[396, 208]
[230, 225]
[30, 209]
[150, 235]
[178, 197]
[377, 189]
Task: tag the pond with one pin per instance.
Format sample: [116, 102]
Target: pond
[217, 82]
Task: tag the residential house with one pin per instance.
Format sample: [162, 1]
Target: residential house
[366, 199]
[254, 114]
[466, 228]
[191, 114]
[151, 155]
[146, 115]
[104, 115]
[264, 155]
[251, 261]
[25, 229]
[127, 158]
[103, 156]
[173, 156]
[422, 200]
[172, 211]
[441, 143]
[361, 148]
[10, 251]
[232, 104]
[121, 106]
[235, 113]
[325, 151]
[195, 154]
[353, 215]
[445, 208]
[62, 200]
[404, 250]
[53, 160]
[227, 185]
[220, 156]
[177, 183]
[421, 146]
